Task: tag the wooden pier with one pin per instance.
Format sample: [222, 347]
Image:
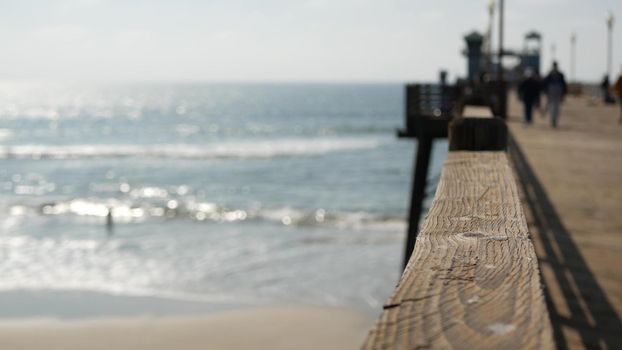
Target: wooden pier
[571, 185]
[519, 250]
[472, 281]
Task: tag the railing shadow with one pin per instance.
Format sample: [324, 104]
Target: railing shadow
[591, 313]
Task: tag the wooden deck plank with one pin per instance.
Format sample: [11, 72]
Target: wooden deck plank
[570, 177]
[473, 280]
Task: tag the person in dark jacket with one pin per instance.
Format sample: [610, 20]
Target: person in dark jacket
[529, 93]
[617, 89]
[555, 88]
[604, 89]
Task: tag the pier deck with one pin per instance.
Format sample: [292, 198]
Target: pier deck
[571, 181]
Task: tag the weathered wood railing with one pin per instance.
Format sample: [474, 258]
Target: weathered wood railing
[472, 281]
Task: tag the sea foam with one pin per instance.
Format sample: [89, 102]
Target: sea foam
[246, 149]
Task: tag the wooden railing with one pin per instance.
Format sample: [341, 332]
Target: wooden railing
[472, 281]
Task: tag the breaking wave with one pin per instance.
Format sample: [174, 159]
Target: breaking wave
[246, 149]
[127, 211]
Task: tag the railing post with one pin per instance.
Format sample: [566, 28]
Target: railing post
[478, 134]
[420, 181]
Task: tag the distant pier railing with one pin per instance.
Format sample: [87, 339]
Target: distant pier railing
[428, 110]
[472, 281]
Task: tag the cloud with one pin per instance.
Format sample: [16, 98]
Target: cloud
[61, 34]
[432, 15]
[133, 37]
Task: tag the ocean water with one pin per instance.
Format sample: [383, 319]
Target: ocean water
[251, 194]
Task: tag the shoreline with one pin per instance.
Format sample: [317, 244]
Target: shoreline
[84, 305]
[283, 327]
[76, 305]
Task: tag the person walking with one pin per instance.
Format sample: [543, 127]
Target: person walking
[529, 93]
[617, 89]
[555, 88]
[604, 88]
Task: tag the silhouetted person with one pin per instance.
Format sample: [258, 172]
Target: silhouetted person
[604, 89]
[529, 93]
[617, 88]
[109, 222]
[555, 88]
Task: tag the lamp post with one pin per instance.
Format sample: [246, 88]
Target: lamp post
[573, 51]
[500, 98]
[609, 41]
[500, 63]
[491, 16]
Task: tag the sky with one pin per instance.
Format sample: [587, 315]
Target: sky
[284, 40]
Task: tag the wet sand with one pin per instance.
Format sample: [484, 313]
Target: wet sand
[262, 328]
[571, 179]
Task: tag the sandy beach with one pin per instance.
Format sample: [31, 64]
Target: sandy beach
[262, 328]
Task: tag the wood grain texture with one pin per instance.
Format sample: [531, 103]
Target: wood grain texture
[473, 280]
